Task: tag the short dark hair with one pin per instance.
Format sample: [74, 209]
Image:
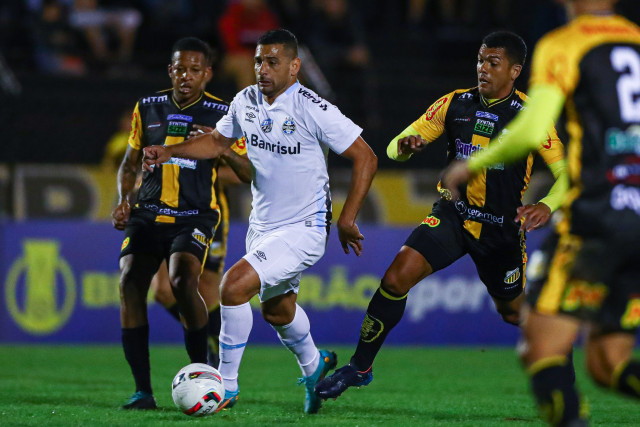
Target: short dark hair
[283, 37]
[514, 47]
[194, 44]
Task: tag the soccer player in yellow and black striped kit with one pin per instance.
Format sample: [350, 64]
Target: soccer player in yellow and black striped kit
[590, 69]
[480, 223]
[176, 212]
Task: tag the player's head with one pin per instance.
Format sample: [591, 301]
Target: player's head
[190, 69]
[276, 62]
[500, 61]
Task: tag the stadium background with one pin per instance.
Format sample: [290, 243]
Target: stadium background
[62, 103]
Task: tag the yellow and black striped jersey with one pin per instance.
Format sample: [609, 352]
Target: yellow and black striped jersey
[181, 188]
[470, 122]
[595, 61]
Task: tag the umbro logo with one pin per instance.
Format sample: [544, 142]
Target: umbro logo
[260, 255]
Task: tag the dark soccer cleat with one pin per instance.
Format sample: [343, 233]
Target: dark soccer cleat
[230, 399]
[328, 361]
[140, 400]
[345, 377]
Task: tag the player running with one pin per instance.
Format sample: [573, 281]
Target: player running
[481, 222]
[590, 69]
[289, 130]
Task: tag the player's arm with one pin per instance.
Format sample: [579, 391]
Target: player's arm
[201, 147]
[524, 136]
[536, 216]
[240, 165]
[365, 164]
[420, 133]
[127, 174]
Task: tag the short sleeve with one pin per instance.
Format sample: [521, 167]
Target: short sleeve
[135, 133]
[332, 127]
[431, 124]
[228, 125]
[240, 146]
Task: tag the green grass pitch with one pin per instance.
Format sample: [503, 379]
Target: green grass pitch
[85, 385]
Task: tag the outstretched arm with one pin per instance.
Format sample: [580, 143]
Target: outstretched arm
[201, 147]
[365, 164]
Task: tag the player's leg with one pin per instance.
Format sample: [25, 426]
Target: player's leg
[139, 260]
[609, 362]
[549, 339]
[209, 288]
[184, 271]
[162, 293]
[137, 270]
[238, 286]
[433, 245]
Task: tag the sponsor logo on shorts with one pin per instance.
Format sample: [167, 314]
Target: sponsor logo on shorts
[289, 126]
[512, 276]
[485, 115]
[583, 294]
[484, 127]
[125, 243]
[199, 236]
[431, 221]
[434, 108]
[260, 255]
[631, 317]
[474, 214]
[266, 125]
[371, 328]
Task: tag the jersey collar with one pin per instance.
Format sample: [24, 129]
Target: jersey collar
[186, 106]
[281, 98]
[485, 102]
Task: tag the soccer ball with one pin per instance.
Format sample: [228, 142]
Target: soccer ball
[197, 389]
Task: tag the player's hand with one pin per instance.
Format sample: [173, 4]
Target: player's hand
[454, 175]
[154, 155]
[199, 130]
[535, 216]
[120, 215]
[350, 236]
[411, 144]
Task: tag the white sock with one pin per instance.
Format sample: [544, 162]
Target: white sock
[296, 336]
[237, 321]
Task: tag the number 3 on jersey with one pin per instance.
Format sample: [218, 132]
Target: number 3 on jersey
[626, 60]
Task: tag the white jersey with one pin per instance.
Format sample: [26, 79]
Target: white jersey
[287, 143]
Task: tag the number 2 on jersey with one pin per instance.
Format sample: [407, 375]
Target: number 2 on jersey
[626, 60]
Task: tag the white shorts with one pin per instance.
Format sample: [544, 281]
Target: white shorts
[281, 255]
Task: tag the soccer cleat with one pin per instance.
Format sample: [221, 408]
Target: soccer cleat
[140, 400]
[230, 399]
[328, 361]
[345, 377]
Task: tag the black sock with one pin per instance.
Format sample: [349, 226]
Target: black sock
[628, 381]
[173, 310]
[213, 331]
[135, 342]
[195, 342]
[384, 312]
[555, 393]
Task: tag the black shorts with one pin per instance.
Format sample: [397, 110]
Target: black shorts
[145, 236]
[441, 239]
[593, 279]
[217, 250]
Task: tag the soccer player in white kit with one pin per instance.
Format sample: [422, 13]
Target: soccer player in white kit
[289, 130]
